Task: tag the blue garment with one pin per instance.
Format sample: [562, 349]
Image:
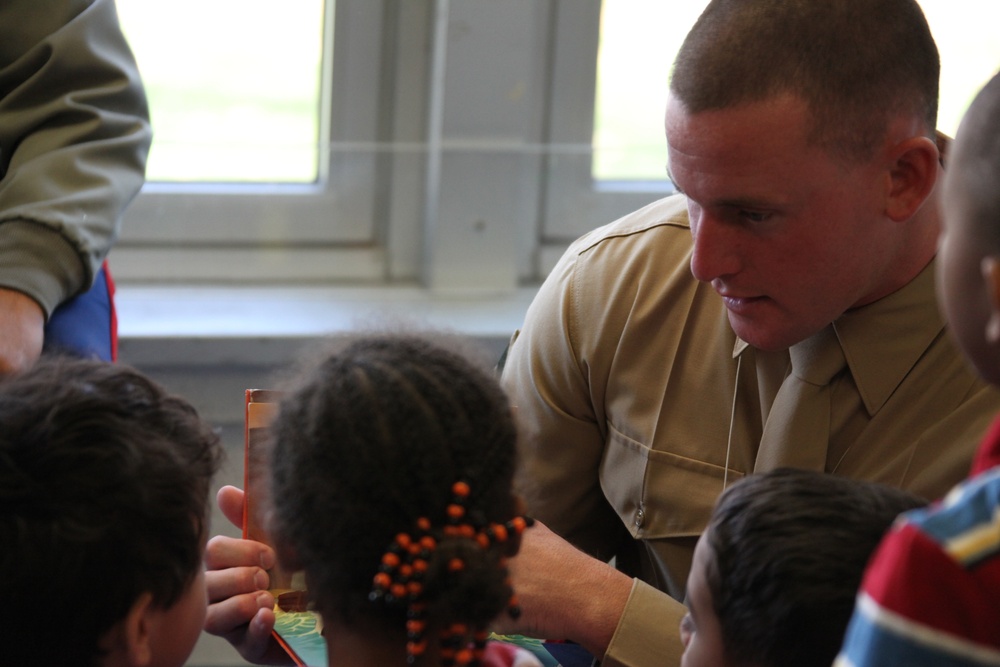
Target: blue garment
[85, 326]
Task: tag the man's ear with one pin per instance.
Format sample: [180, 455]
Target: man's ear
[991, 276]
[913, 171]
[138, 631]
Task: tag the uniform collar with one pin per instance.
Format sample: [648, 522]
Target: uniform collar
[884, 340]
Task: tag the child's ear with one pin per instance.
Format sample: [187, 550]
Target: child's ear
[912, 175]
[130, 639]
[991, 275]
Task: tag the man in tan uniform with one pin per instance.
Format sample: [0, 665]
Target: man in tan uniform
[656, 364]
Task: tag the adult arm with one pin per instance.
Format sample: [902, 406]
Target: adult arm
[555, 374]
[21, 331]
[566, 594]
[74, 135]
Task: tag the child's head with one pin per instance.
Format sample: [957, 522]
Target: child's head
[370, 442]
[104, 482]
[969, 247]
[776, 572]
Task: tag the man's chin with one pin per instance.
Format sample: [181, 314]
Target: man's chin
[762, 337]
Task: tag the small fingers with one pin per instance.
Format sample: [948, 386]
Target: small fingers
[230, 500]
[235, 581]
[224, 552]
[235, 612]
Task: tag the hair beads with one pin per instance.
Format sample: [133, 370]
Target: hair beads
[401, 575]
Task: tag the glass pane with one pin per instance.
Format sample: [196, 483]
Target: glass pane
[639, 39]
[233, 87]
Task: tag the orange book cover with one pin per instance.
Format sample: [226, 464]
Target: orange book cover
[296, 629]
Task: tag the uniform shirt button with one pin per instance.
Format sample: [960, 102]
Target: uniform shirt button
[640, 516]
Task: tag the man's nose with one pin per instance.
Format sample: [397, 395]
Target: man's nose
[715, 248]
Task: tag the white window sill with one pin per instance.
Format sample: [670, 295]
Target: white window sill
[253, 324]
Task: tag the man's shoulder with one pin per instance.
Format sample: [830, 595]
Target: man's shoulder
[662, 221]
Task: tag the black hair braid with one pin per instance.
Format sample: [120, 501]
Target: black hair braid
[370, 440]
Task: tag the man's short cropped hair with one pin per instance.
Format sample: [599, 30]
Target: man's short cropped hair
[789, 548]
[856, 63]
[104, 481]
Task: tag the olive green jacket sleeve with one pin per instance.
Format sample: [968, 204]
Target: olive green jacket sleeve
[74, 136]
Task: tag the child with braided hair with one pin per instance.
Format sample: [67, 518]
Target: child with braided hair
[392, 465]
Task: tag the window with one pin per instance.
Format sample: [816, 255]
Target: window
[251, 175]
[458, 145]
[246, 112]
[639, 39]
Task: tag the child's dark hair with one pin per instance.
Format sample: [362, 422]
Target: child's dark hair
[104, 482]
[789, 548]
[373, 438]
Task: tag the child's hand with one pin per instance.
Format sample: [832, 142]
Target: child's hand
[240, 609]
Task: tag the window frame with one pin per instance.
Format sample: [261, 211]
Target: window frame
[425, 101]
[190, 232]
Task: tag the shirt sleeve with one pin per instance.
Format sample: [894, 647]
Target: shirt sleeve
[74, 136]
[562, 439]
[647, 632]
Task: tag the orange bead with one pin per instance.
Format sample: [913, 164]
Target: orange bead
[500, 533]
[382, 580]
[390, 560]
[518, 524]
[416, 648]
[428, 542]
[464, 657]
[399, 590]
[416, 625]
[414, 588]
[456, 565]
[456, 511]
[420, 566]
[460, 489]
[403, 540]
[424, 524]
[483, 541]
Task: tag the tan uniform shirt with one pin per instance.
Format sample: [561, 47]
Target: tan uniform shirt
[633, 392]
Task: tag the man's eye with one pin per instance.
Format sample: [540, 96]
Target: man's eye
[754, 216]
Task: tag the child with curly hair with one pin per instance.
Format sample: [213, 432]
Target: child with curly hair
[104, 481]
[392, 466]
